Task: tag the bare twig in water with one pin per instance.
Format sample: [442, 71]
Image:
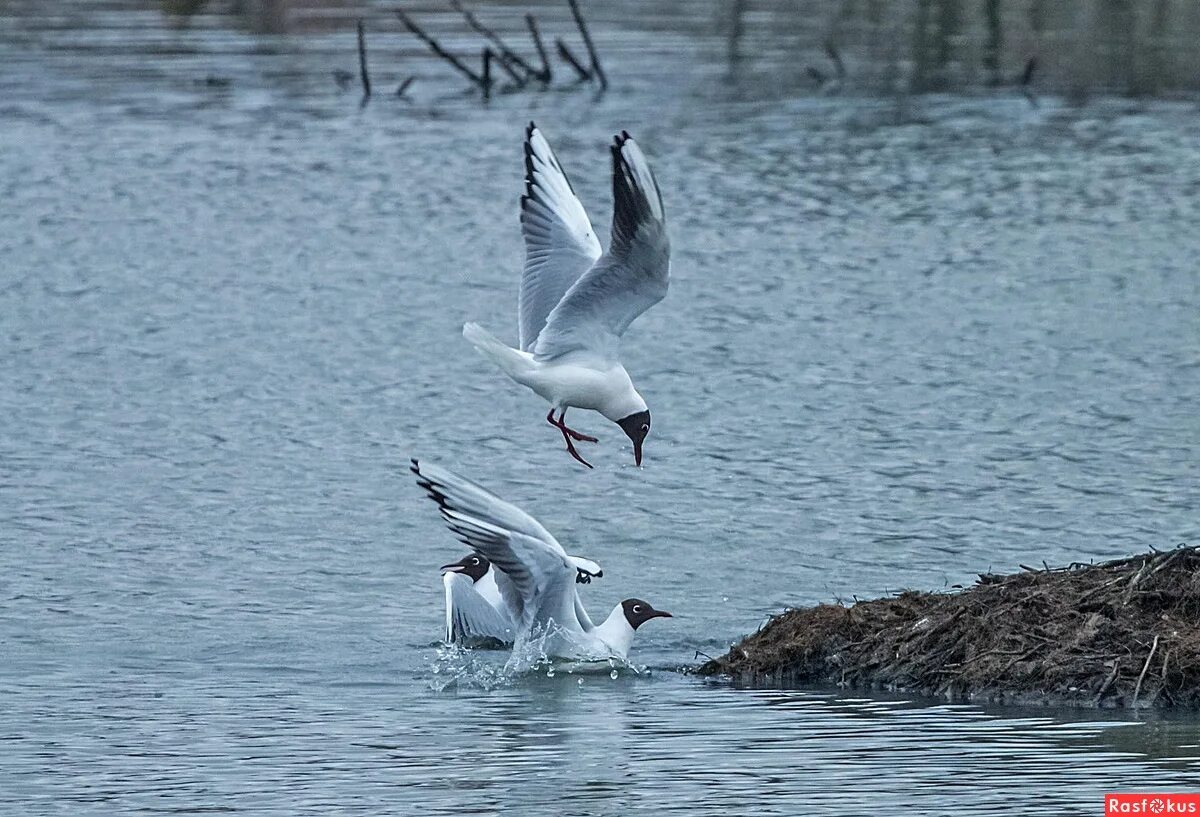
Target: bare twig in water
[1027, 81]
[1138, 688]
[487, 72]
[436, 48]
[1112, 676]
[544, 74]
[839, 67]
[565, 53]
[519, 80]
[362, 62]
[826, 83]
[587, 42]
[736, 29]
[503, 54]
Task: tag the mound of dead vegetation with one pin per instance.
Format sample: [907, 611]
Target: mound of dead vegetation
[1124, 633]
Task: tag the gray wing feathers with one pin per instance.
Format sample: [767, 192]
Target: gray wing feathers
[560, 244]
[534, 575]
[627, 280]
[537, 572]
[452, 492]
[469, 615]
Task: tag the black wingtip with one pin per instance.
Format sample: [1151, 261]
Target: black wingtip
[415, 467]
[528, 168]
[530, 128]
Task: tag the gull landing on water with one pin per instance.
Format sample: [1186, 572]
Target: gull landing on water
[475, 610]
[575, 303]
[536, 578]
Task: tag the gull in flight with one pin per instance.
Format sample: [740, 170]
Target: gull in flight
[575, 302]
[475, 610]
[536, 579]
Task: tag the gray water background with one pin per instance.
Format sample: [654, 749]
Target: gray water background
[907, 340]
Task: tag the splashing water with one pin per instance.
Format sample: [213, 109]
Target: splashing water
[460, 667]
[456, 666]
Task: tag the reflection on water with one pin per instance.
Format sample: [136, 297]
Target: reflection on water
[608, 750]
[897, 351]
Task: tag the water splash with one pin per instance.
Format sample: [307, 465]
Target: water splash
[461, 667]
[458, 667]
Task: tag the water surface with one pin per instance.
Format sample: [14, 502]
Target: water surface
[907, 341]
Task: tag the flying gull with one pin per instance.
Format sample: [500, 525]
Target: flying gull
[575, 302]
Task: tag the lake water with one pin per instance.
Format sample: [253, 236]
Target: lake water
[908, 340]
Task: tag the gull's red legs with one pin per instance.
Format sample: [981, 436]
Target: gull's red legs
[568, 433]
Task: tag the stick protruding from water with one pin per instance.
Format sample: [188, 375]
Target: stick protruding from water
[436, 48]
[593, 57]
[543, 76]
[363, 74]
[571, 60]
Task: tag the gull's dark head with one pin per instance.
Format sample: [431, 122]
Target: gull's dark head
[638, 612]
[476, 566]
[636, 427]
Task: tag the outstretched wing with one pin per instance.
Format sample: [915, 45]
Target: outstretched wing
[560, 244]
[541, 579]
[629, 279]
[455, 493]
[469, 615]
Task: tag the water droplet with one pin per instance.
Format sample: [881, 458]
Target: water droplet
[613, 675]
[550, 672]
[581, 682]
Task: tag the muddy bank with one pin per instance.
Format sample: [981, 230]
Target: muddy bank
[1124, 633]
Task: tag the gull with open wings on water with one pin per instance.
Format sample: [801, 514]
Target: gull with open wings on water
[536, 578]
[575, 302]
[475, 610]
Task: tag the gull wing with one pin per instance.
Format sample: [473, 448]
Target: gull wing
[470, 616]
[628, 279]
[455, 493]
[541, 580]
[560, 244]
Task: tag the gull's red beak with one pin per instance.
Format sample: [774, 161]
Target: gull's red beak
[457, 567]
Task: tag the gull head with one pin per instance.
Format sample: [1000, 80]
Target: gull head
[475, 565]
[638, 612]
[636, 427]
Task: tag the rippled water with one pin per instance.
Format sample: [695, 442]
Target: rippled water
[906, 341]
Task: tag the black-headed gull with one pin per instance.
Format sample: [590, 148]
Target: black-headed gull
[575, 303]
[475, 610]
[536, 578]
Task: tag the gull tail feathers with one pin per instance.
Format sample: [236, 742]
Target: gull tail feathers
[512, 361]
